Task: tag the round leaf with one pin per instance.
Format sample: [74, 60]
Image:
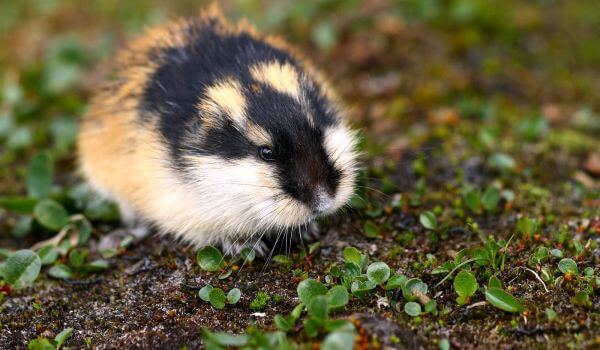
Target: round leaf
[413, 288]
[396, 281]
[378, 272]
[21, 268]
[338, 341]
[317, 307]
[428, 220]
[204, 292]
[490, 198]
[412, 309]
[338, 297]
[503, 300]
[51, 214]
[465, 284]
[309, 288]
[210, 259]
[567, 265]
[351, 255]
[234, 296]
[217, 298]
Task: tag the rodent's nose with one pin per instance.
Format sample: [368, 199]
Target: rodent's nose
[322, 202]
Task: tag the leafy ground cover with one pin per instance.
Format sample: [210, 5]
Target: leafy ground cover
[476, 223]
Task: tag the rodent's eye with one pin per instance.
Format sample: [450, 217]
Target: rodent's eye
[266, 153]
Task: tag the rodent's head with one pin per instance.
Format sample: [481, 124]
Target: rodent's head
[257, 136]
[271, 144]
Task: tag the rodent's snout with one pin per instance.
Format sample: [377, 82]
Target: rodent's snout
[323, 201]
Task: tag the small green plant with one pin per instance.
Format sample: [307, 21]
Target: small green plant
[428, 220]
[77, 266]
[47, 344]
[210, 259]
[260, 301]
[217, 298]
[465, 286]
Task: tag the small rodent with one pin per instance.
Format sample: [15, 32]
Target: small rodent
[217, 134]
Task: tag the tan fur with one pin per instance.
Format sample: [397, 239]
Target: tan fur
[225, 96]
[258, 135]
[282, 78]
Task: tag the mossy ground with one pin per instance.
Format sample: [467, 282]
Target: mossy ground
[439, 89]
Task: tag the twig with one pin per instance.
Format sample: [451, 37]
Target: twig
[480, 303]
[537, 277]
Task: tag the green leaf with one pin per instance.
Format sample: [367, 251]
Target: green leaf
[248, 254]
[360, 287]
[339, 325]
[503, 300]
[412, 309]
[217, 298]
[96, 265]
[414, 288]
[494, 282]
[557, 253]
[40, 344]
[465, 284]
[83, 229]
[318, 307]
[551, 314]
[309, 288]
[39, 176]
[225, 339]
[204, 292]
[431, 307]
[297, 311]
[395, 282]
[225, 274]
[370, 229]
[76, 258]
[568, 265]
[21, 205]
[282, 323]
[351, 270]
[338, 297]
[352, 255]
[472, 199]
[378, 272]
[527, 226]
[23, 227]
[338, 341]
[210, 259]
[491, 198]
[21, 268]
[234, 296]
[427, 219]
[61, 271]
[48, 254]
[444, 344]
[51, 214]
[502, 162]
[63, 336]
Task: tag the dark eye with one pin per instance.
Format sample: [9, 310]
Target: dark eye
[266, 153]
